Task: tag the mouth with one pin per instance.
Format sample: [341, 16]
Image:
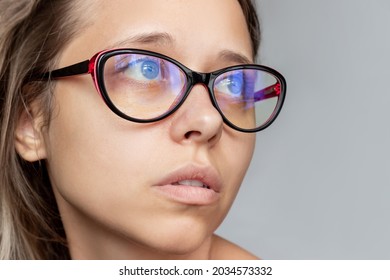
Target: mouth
[191, 185]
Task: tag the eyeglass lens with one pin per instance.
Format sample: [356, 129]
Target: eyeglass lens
[145, 87]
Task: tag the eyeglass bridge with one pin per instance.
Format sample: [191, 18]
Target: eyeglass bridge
[200, 78]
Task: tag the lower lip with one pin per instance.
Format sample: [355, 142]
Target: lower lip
[188, 194]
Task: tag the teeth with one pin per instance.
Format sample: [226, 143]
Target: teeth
[192, 183]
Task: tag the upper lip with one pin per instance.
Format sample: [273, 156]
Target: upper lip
[207, 174]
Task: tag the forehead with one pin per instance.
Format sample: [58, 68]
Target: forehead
[193, 28]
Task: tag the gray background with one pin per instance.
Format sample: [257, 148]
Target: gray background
[319, 183]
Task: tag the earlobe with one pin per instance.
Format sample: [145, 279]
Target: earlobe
[29, 141]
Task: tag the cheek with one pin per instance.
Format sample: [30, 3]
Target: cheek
[238, 149]
[93, 156]
[234, 159]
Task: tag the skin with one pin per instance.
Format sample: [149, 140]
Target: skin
[103, 168]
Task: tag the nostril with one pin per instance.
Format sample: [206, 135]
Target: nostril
[195, 135]
[192, 133]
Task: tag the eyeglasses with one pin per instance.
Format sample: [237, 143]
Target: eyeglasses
[144, 86]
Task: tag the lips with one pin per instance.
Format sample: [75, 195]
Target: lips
[191, 184]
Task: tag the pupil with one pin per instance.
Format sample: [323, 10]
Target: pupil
[150, 69]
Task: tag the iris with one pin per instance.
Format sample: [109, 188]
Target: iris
[236, 82]
[150, 69]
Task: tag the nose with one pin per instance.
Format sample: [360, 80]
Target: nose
[197, 120]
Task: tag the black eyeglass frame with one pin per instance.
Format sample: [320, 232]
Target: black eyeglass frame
[95, 67]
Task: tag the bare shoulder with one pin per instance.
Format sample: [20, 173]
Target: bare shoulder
[223, 249]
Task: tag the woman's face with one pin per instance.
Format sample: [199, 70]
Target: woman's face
[122, 187]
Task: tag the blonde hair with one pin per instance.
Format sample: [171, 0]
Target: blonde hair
[32, 35]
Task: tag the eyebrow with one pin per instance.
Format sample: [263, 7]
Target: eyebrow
[234, 57]
[159, 38]
[166, 39]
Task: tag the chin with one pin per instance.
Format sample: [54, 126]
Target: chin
[185, 249]
[179, 239]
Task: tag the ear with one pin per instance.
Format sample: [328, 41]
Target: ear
[29, 140]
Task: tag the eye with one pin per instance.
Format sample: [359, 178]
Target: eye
[142, 69]
[231, 84]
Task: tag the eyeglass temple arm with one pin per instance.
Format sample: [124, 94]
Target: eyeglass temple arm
[268, 92]
[80, 68]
